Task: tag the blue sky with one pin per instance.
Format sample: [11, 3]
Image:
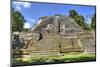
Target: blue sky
[32, 10]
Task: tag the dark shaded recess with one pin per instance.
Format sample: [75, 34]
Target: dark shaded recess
[40, 36]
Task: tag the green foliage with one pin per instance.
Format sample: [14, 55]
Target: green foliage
[87, 27]
[17, 21]
[79, 19]
[72, 13]
[26, 30]
[93, 22]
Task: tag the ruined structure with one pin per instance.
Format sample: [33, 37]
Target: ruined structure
[54, 35]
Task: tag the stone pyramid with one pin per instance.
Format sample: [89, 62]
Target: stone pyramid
[58, 34]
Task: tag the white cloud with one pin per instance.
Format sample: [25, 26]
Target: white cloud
[88, 21]
[31, 20]
[26, 5]
[27, 25]
[19, 5]
[18, 8]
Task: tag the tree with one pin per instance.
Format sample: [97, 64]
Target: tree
[73, 13]
[26, 29]
[87, 26]
[93, 22]
[78, 18]
[17, 21]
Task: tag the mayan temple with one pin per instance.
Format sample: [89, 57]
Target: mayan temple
[55, 35]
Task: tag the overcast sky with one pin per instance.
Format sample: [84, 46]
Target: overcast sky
[32, 10]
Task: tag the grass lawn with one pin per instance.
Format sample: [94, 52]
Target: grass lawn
[66, 58]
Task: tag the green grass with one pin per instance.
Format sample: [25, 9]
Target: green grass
[78, 57]
[55, 59]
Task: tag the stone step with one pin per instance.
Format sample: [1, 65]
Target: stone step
[44, 53]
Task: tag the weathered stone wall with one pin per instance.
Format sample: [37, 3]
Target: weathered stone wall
[71, 44]
[88, 42]
[51, 42]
